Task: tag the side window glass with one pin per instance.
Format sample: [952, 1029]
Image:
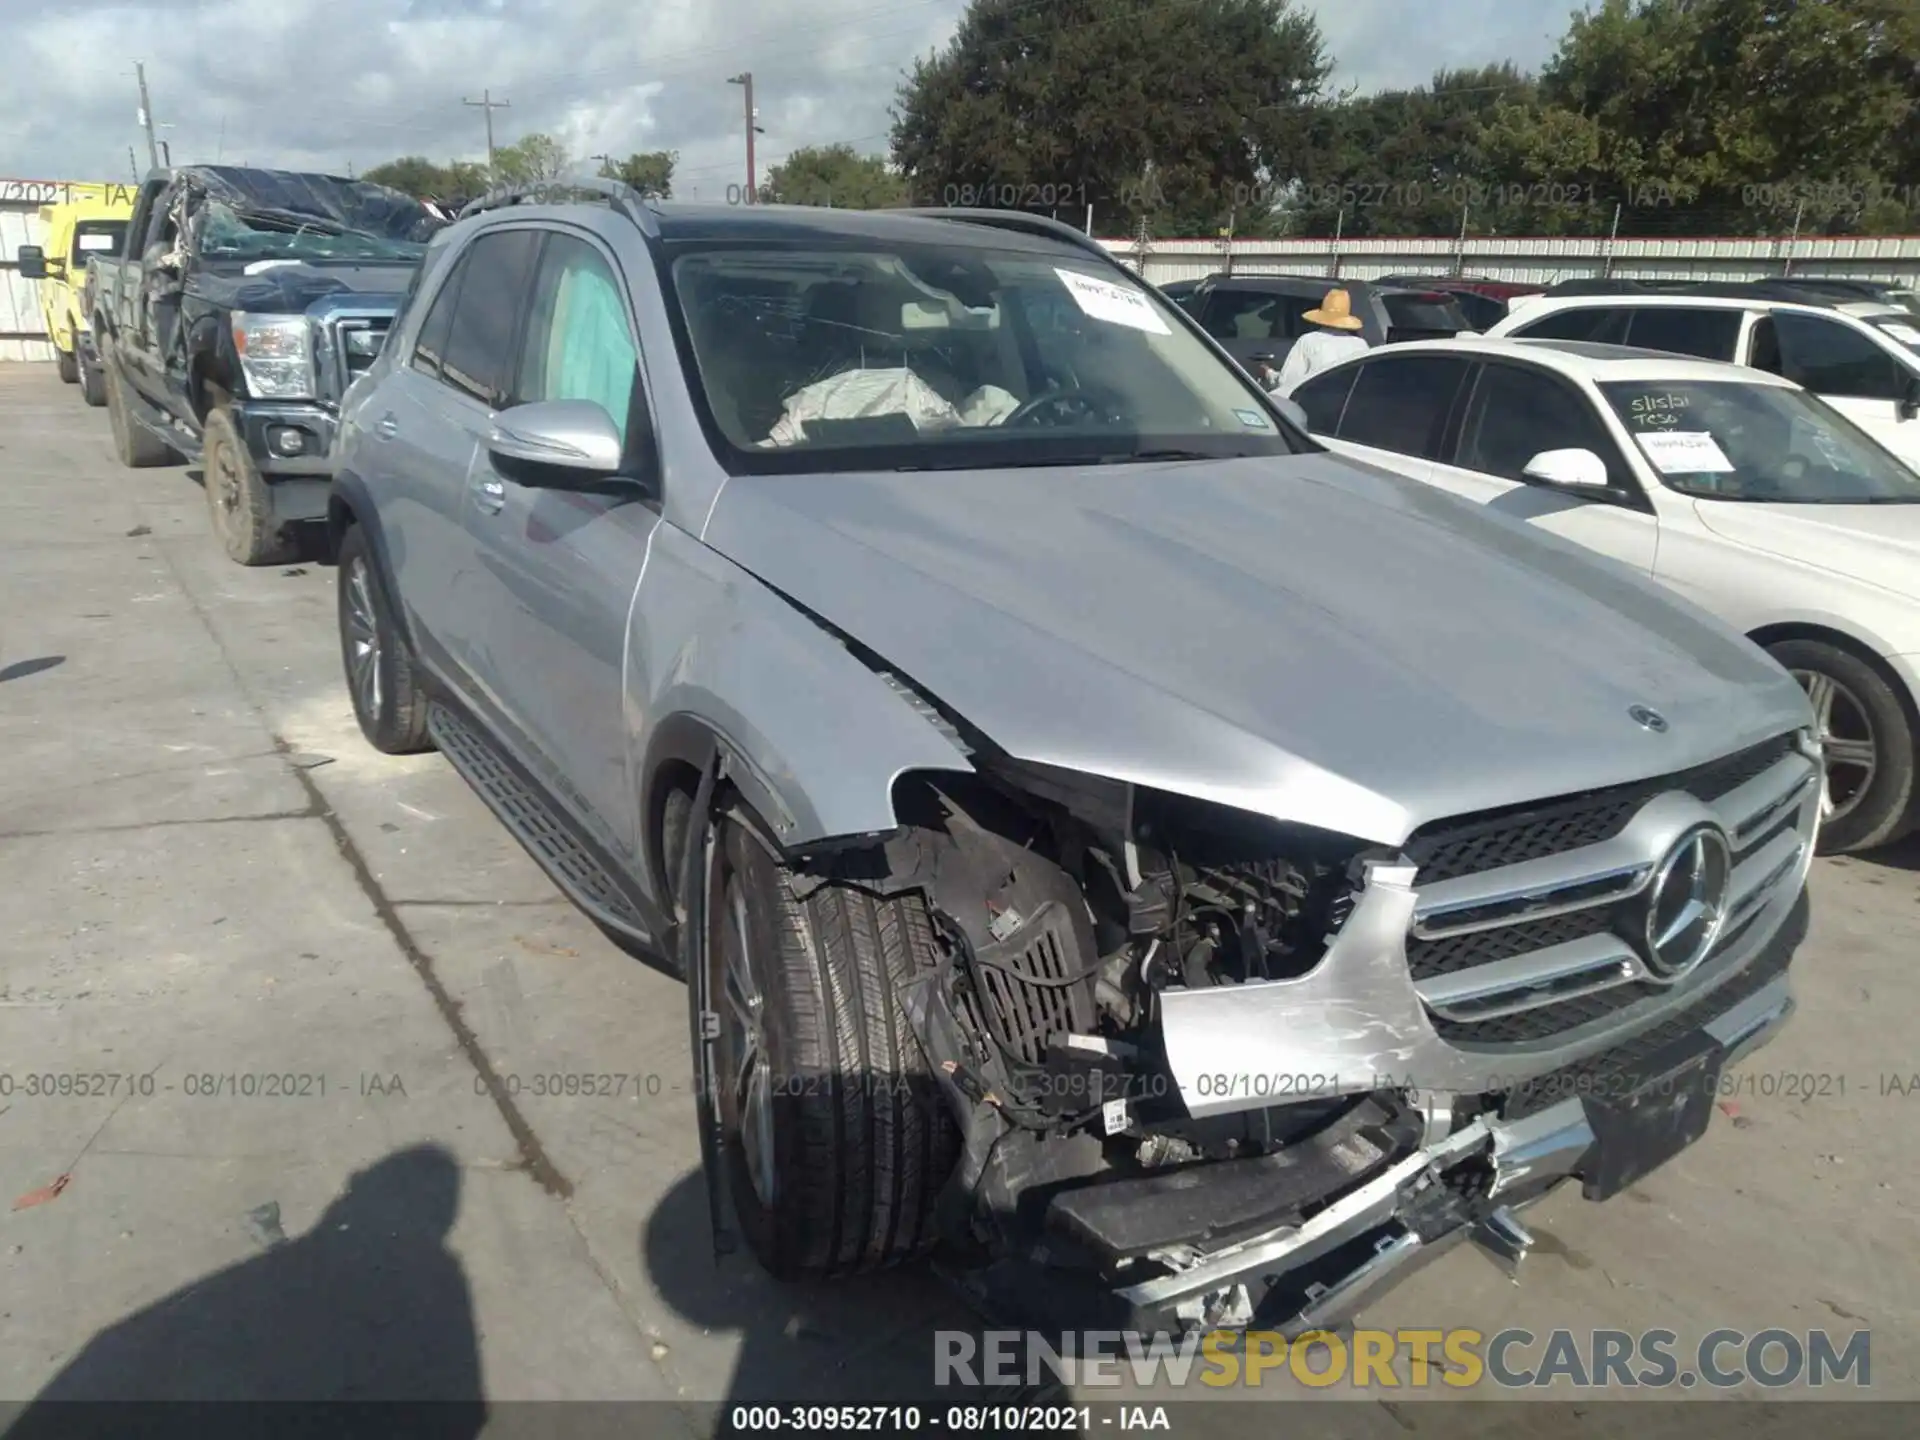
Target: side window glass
[1831, 359]
[579, 343]
[480, 344]
[1709, 334]
[1516, 413]
[1594, 323]
[431, 345]
[1401, 404]
[1323, 397]
[1242, 315]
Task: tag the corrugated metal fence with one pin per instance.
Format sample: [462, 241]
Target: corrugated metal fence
[22, 329]
[1536, 261]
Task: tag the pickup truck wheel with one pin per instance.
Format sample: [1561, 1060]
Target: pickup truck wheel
[238, 499]
[835, 1137]
[93, 385]
[67, 361]
[387, 700]
[1869, 743]
[137, 448]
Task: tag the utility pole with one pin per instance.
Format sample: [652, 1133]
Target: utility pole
[488, 104]
[607, 170]
[146, 115]
[133, 165]
[745, 81]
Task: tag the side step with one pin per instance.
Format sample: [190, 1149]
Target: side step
[548, 836]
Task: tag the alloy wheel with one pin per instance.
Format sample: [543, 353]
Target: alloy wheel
[1848, 743]
[363, 641]
[743, 1012]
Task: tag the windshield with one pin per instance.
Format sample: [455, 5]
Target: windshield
[814, 355]
[230, 231]
[1905, 332]
[97, 237]
[1724, 440]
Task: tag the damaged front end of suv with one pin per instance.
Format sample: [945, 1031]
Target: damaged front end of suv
[1209, 1069]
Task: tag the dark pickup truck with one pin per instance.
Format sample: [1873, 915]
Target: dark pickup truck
[244, 304]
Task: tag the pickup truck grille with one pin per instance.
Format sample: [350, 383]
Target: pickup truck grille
[1531, 923]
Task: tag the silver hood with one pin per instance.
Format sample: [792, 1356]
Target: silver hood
[1306, 638]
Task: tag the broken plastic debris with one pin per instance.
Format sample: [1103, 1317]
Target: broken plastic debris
[309, 762]
[43, 1194]
[139, 530]
[263, 1222]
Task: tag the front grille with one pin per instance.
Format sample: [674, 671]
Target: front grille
[1515, 961]
[1473, 844]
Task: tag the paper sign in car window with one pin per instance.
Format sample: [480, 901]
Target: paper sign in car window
[1115, 304]
[1685, 452]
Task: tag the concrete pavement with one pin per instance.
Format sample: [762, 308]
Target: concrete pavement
[251, 958]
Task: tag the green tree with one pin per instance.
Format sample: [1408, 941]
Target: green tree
[648, 171]
[1184, 115]
[424, 180]
[835, 175]
[530, 160]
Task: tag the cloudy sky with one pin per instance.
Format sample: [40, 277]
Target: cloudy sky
[327, 84]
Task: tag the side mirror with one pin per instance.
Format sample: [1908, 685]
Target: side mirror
[33, 263]
[1291, 409]
[556, 444]
[1909, 408]
[1567, 470]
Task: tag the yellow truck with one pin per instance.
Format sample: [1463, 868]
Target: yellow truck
[75, 231]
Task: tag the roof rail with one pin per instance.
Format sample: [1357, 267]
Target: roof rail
[1018, 220]
[617, 193]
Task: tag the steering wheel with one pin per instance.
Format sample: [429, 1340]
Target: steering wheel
[1061, 407]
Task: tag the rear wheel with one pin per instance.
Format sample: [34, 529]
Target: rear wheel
[836, 1139]
[93, 385]
[239, 501]
[137, 447]
[1868, 740]
[387, 700]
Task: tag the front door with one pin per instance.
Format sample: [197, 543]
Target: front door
[1851, 371]
[557, 569]
[1513, 414]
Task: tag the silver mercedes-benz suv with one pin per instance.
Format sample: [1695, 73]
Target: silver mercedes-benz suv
[1180, 873]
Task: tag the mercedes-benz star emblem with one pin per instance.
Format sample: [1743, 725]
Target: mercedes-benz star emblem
[1687, 902]
[1647, 718]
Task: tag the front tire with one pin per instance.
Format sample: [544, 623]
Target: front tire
[1869, 742]
[381, 679]
[93, 385]
[835, 1137]
[238, 500]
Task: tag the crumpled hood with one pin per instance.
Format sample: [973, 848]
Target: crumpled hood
[1876, 543]
[1302, 637]
[288, 289]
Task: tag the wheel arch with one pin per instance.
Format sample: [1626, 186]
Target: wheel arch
[1868, 654]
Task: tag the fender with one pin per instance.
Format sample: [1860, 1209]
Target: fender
[707, 646]
[350, 503]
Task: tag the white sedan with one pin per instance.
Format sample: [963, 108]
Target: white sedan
[1738, 489]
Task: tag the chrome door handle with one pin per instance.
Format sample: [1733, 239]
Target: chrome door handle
[492, 496]
[388, 427]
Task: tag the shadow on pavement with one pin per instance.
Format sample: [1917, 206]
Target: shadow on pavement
[20, 669]
[368, 1305]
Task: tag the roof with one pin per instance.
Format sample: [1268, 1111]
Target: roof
[682, 221]
[1582, 359]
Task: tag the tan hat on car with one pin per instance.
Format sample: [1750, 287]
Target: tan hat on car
[1335, 312]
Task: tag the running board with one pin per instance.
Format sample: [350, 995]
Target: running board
[538, 825]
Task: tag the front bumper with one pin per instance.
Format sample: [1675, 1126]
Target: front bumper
[1464, 1178]
[265, 425]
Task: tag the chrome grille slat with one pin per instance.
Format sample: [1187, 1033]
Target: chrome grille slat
[1462, 936]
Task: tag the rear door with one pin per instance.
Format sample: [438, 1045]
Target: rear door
[557, 569]
[1854, 372]
[1398, 412]
[1514, 412]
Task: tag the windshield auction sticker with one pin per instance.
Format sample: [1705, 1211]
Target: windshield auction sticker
[1685, 452]
[1114, 304]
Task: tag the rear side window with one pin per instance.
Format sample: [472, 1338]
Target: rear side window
[1324, 397]
[479, 356]
[1401, 404]
[1596, 324]
[1709, 334]
[1423, 317]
